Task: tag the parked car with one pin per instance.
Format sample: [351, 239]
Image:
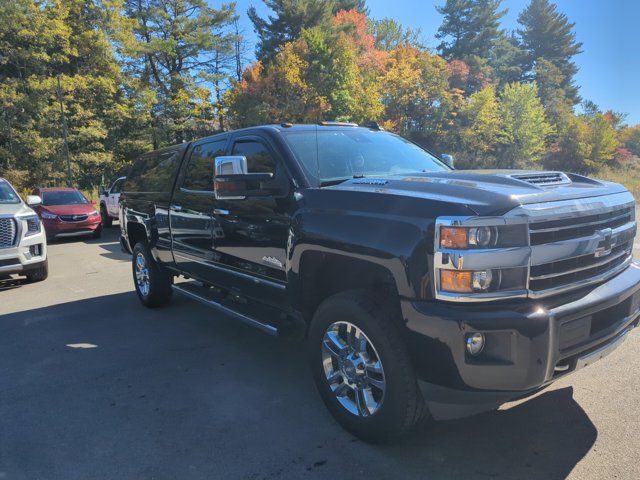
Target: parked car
[423, 292]
[110, 201]
[66, 212]
[23, 245]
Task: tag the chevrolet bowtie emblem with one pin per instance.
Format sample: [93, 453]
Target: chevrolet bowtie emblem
[605, 244]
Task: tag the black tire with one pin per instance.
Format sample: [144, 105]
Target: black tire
[39, 274]
[402, 408]
[159, 281]
[97, 233]
[107, 221]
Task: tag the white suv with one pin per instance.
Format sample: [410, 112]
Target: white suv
[23, 243]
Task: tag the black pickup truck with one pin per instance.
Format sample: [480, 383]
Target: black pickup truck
[423, 292]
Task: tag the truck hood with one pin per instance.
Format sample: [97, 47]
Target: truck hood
[486, 192]
[15, 209]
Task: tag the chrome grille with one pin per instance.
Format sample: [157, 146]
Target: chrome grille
[556, 230]
[7, 232]
[579, 242]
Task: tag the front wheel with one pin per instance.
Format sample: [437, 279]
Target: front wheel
[362, 369]
[152, 282]
[107, 221]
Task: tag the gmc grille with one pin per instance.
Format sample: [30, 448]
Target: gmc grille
[7, 232]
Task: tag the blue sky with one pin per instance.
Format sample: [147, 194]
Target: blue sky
[609, 29]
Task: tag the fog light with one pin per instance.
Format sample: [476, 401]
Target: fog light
[481, 280]
[475, 343]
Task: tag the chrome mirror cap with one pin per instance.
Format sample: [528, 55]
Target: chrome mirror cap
[33, 200]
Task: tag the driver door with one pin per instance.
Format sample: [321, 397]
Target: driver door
[251, 246]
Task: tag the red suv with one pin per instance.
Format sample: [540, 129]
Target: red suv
[66, 212]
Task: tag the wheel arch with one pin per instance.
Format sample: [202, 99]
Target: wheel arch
[324, 274]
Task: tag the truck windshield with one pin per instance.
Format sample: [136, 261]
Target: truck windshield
[7, 194]
[331, 156]
[63, 197]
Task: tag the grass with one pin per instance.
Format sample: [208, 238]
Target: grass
[627, 177]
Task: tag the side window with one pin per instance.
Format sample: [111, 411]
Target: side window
[117, 187]
[154, 172]
[259, 159]
[199, 172]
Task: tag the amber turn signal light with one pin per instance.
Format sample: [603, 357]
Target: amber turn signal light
[454, 237]
[455, 281]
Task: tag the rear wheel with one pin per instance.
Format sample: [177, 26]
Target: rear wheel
[152, 282]
[40, 273]
[362, 369]
[107, 221]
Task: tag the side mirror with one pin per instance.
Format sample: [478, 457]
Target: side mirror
[102, 190]
[231, 165]
[232, 182]
[227, 183]
[33, 200]
[447, 159]
[93, 202]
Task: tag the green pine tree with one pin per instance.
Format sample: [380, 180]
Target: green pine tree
[470, 27]
[547, 34]
[181, 49]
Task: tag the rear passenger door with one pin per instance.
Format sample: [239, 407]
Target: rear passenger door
[251, 245]
[191, 210]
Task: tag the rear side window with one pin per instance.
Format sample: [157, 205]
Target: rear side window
[259, 159]
[199, 172]
[154, 171]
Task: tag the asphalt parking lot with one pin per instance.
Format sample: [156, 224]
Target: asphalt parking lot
[183, 392]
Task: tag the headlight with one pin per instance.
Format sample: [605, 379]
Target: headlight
[33, 225]
[479, 259]
[93, 213]
[468, 237]
[48, 216]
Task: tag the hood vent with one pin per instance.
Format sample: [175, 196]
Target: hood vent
[543, 179]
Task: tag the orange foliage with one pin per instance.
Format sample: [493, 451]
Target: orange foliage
[370, 56]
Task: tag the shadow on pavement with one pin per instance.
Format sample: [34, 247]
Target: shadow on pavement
[110, 244]
[181, 392]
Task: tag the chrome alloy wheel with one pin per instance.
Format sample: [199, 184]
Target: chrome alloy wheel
[142, 274]
[353, 369]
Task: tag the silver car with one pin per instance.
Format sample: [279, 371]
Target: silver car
[23, 243]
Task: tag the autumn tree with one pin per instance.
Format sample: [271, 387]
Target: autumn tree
[524, 127]
[480, 129]
[42, 44]
[290, 18]
[417, 97]
[317, 77]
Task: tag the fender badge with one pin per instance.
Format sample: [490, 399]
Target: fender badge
[272, 261]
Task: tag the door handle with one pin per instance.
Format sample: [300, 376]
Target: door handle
[176, 208]
[220, 211]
